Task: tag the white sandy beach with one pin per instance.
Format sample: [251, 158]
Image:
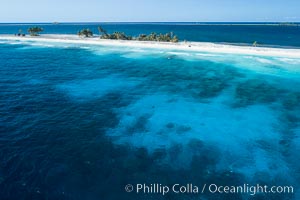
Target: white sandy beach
[184, 46]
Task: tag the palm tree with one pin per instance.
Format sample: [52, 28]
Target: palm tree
[142, 37]
[152, 36]
[34, 31]
[101, 30]
[175, 39]
[254, 44]
[85, 33]
[168, 37]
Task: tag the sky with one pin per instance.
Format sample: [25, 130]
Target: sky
[149, 11]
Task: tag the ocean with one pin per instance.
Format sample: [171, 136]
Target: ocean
[83, 121]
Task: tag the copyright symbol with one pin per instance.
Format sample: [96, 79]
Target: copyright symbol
[129, 188]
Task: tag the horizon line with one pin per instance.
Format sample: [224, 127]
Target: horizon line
[295, 24]
[51, 22]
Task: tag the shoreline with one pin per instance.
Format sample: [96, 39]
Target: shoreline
[182, 46]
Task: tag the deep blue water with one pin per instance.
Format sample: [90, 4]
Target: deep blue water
[266, 35]
[81, 122]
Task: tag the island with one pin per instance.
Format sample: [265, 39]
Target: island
[158, 41]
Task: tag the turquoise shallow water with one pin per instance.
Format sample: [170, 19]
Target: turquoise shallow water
[81, 122]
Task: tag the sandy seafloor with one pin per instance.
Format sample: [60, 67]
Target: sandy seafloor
[80, 117]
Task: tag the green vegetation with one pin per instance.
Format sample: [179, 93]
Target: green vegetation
[168, 37]
[34, 31]
[85, 33]
[254, 44]
[116, 36]
[101, 31]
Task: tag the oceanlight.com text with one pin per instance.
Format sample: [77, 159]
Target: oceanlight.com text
[157, 188]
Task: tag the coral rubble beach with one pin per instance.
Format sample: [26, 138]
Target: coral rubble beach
[184, 46]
